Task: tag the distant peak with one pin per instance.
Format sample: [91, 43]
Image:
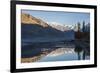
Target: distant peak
[59, 26]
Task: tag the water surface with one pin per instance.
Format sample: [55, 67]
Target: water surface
[54, 51]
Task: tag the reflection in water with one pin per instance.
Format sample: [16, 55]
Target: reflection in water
[78, 50]
[59, 51]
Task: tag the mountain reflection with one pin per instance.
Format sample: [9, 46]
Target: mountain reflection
[56, 51]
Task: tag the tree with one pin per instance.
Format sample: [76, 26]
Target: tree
[88, 27]
[78, 25]
[83, 28]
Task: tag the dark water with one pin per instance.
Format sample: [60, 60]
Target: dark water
[55, 51]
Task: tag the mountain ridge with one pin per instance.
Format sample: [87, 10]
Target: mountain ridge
[61, 27]
[29, 19]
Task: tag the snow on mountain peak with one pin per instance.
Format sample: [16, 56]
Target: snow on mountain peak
[59, 26]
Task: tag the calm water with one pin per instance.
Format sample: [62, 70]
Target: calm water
[55, 51]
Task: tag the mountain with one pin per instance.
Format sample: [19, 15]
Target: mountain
[34, 29]
[60, 26]
[28, 19]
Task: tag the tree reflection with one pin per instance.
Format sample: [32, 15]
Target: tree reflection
[78, 50]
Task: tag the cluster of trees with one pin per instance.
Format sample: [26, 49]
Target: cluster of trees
[83, 31]
[84, 28]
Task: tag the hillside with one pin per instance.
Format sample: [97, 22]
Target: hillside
[28, 19]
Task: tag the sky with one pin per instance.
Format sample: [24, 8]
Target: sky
[66, 18]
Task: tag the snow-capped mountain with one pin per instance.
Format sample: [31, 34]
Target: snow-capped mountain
[61, 27]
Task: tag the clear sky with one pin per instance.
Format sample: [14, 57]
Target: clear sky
[69, 18]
